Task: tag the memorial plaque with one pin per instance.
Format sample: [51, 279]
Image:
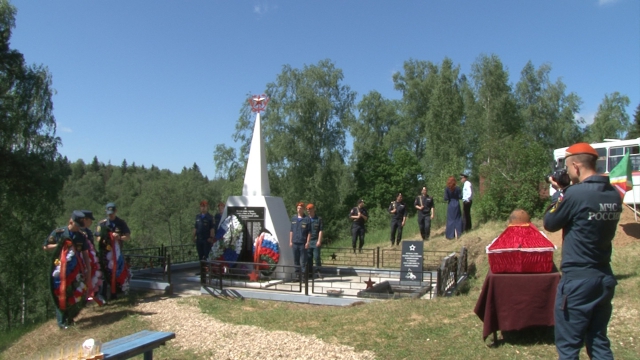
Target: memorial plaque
[252, 219]
[411, 262]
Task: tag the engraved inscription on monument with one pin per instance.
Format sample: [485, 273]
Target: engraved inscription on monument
[252, 219]
[411, 262]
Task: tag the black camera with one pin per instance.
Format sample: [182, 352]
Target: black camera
[560, 176]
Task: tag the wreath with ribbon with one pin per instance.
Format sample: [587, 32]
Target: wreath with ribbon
[266, 250]
[116, 270]
[96, 275]
[228, 243]
[67, 279]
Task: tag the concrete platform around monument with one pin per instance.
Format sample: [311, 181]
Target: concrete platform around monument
[186, 282]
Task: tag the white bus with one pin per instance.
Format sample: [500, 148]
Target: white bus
[610, 153]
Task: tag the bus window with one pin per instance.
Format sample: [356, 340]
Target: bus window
[616, 154]
[601, 164]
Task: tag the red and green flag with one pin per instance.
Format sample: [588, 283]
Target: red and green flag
[620, 176]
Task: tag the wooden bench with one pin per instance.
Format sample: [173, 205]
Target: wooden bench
[143, 342]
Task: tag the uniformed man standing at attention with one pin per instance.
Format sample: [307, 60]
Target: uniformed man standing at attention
[424, 205]
[299, 238]
[217, 218]
[359, 217]
[315, 239]
[398, 212]
[203, 231]
[587, 212]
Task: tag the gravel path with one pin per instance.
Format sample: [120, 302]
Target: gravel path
[227, 341]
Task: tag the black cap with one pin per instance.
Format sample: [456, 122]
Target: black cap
[88, 214]
[361, 201]
[464, 175]
[77, 215]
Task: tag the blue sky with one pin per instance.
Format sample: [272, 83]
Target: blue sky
[162, 82]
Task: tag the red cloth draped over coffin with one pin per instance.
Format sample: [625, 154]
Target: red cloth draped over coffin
[521, 248]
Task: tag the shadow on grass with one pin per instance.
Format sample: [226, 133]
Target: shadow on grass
[624, 276]
[107, 318]
[632, 229]
[534, 335]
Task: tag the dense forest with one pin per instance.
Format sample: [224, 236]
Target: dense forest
[444, 122]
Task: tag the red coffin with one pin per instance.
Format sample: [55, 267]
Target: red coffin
[521, 248]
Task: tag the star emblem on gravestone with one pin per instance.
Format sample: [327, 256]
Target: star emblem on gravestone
[412, 247]
[369, 283]
[334, 256]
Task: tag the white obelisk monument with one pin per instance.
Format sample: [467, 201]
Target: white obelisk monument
[256, 192]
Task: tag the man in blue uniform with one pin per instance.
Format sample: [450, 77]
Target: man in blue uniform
[424, 205]
[398, 212]
[204, 231]
[315, 239]
[299, 238]
[359, 217]
[587, 212]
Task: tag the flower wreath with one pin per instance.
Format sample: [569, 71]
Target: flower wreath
[96, 274]
[266, 250]
[228, 243]
[111, 255]
[67, 279]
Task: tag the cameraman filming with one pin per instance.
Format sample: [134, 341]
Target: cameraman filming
[587, 212]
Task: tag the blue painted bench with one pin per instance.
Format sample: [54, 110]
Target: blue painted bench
[143, 342]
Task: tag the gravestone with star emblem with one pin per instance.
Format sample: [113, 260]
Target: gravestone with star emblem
[411, 263]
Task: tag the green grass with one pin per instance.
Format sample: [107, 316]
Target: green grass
[443, 328]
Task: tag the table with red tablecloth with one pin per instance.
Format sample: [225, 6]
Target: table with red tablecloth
[516, 301]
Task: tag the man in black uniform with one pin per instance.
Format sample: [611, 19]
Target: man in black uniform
[359, 217]
[424, 205]
[203, 231]
[587, 212]
[398, 212]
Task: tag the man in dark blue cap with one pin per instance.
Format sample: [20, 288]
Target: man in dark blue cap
[115, 224]
[73, 233]
[88, 221]
[118, 227]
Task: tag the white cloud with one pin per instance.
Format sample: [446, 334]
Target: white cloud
[263, 8]
[65, 129]
[606, 2]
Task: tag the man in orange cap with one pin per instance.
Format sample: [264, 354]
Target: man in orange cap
[315, 239]
[587, 212]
